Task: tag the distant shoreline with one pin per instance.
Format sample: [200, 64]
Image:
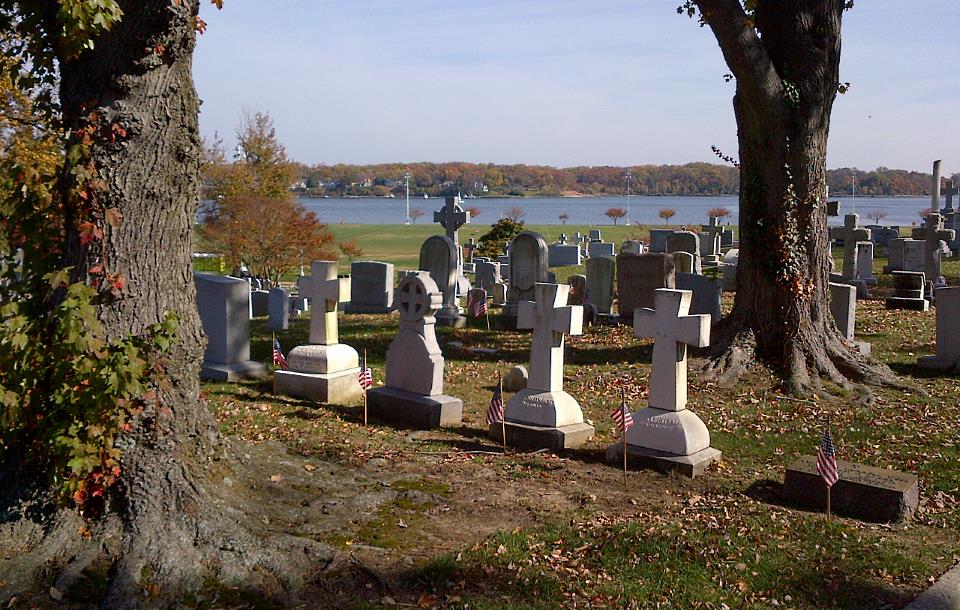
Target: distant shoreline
[583, 196]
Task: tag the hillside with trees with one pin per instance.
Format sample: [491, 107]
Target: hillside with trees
[490, 180]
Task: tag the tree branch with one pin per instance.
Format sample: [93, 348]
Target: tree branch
[743, 52]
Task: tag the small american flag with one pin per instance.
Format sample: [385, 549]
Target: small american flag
[278, 359]
[366, 378]
[827, 460]
[478, 307]
[495, 412]
[622, 417]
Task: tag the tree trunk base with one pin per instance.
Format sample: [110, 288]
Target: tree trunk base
[807, 362]
[248, 528]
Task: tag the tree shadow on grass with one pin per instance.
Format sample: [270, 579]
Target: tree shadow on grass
[910, 369]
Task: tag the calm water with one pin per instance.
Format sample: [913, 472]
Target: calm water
[589, 210]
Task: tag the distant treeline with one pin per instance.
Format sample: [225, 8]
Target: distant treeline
[489, 180]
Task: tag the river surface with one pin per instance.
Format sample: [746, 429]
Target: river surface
[590, 210]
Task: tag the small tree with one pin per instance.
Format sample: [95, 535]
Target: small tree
[718, 213]
[261, 167]
[260, 232]
[564, 217]
[667, 214]
[493, 241]
[351, 249]
[615, 214]
[876, 215]
[516, 214]
[415, 213]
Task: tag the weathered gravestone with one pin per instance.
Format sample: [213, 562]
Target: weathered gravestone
[729, 269]
[528, 267]
[658, 239]
[487, 274]
[224, 306]
[516, 379]
[843, 308]
[689, 242]
[413, 395]
[905, 255]
[632, 246]
[543, 415]
[600, 276]
[948, 332]
[638, 278]
[666, 435]
[932, 234]
[451, 217]
[578, 289]
[438, 257]
[279, 309]
[850, 234]
[325, 370]
[259, 303]
[908, 291]
[864, 269]
[564, 255]
[882, 236]
[598, 248]
[595, 235]
[710, 242]
[705, 291]
[500, 293]
[371, 287]
[683, 262]
[863, 492]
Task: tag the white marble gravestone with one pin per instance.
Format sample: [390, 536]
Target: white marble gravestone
[325, 370]
[666, 434]
[413, 395]
[528, 267]
[543, 415]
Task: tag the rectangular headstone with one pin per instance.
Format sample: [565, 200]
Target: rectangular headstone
[595, 235]
[843, 308]
[638, 278]
[563, 255]
[600, 276]
[259, 303]
[948, 331]
[371, 287]
[864, 264]
[905, 255]
[224, 306]
[658, 239]
[706, 294]
[599, 248]
[863, 492]
[278, 309]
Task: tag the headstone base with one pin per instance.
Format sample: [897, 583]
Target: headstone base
[933, 363]
[340, 388]
[526, 436]
[351, 308]
[863, 492]
[906, 303]
[410, 410]
[214, 371]
[690, 466]
[451, 320]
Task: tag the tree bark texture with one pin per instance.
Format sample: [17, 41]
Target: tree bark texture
[786, 60]
[172, 525]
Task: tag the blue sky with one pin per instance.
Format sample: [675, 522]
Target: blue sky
[556, 82]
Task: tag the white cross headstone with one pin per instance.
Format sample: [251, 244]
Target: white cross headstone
[551, 319]
[672, 330]
[327, 291]
[850, 233]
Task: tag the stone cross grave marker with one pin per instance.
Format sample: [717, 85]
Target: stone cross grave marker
[950, 192]
[672, 330]
[551, 319]
[932, 234]
[327, 291]
[850, 233]
[711, 247]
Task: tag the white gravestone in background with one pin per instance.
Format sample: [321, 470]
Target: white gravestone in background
[325, 370]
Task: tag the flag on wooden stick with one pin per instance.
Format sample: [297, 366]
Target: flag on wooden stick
[622, 417]
[827, 460]
[365, 377]
[495, 412]
[278, 359]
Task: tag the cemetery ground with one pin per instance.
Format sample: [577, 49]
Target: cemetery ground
[442, 519]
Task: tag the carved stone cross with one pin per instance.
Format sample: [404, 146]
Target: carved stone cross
[672, 330]
[713, 231]
[932, 233]
[550, 318]
[850, 233]
[452, 217]
[326, 291]
[950, 192]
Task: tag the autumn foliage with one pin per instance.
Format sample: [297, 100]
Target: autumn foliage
[615, 214]
[269, 236]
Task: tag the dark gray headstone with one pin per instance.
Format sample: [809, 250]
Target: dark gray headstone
[638, 277]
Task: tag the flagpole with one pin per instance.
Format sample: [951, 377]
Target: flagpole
[365, 389]
[623, 431]
[487, 313]
[503, 420]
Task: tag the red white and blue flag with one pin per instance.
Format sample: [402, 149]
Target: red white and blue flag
[365, 377]
[495, 412]
[478, 307]
[622, 417]
[278, 359]
[827, 460]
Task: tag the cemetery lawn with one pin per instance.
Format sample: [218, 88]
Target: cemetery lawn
[449, 522]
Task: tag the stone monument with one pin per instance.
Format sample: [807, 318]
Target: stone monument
[224, 306]
[543, 415]
[710, 242]
[413, 395]
[666, 435]
[371, 287]
[850, 233]
[948, 332]
[325, 370]
[438, 257]
[451, 217]
[528, 267]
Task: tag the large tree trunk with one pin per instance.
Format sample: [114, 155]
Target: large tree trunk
[172, 525]
[787, 80]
